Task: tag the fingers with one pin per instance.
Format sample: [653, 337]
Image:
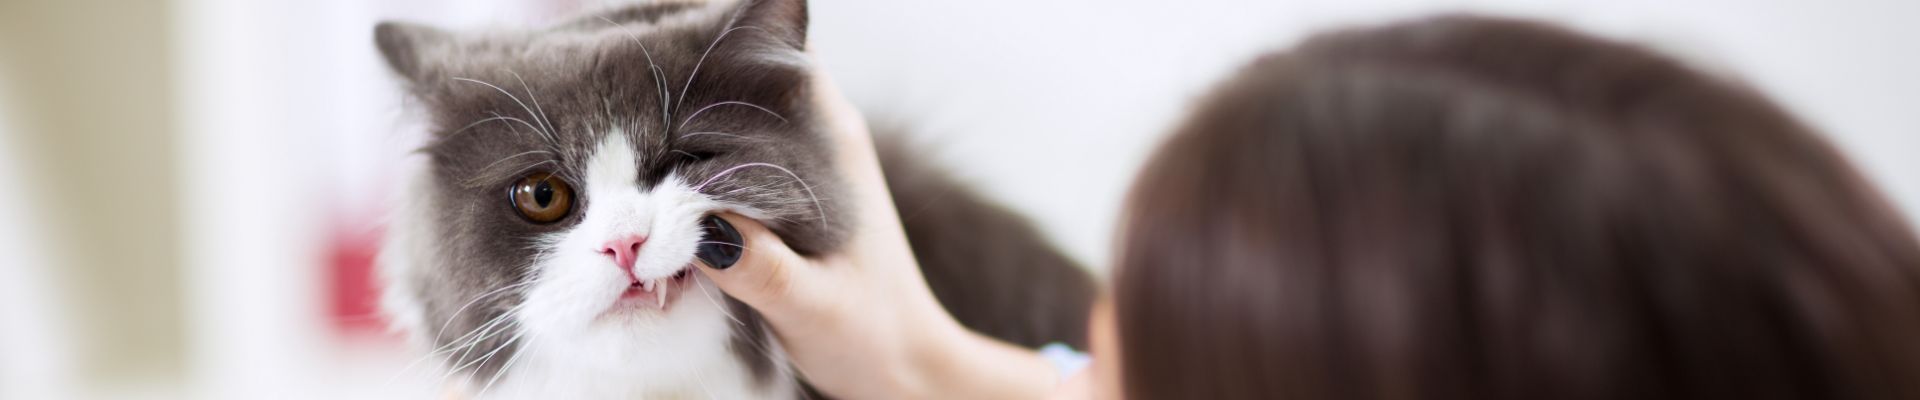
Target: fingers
[748, 261]
[720, 243]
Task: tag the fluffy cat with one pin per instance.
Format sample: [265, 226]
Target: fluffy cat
[544, 249]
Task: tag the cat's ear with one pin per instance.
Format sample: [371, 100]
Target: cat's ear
[412, 49]
[784, 21]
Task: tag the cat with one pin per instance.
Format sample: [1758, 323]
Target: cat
[544, 248]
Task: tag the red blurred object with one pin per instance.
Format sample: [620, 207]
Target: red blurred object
[353, 304]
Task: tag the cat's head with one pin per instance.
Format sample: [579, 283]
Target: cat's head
[568, 169]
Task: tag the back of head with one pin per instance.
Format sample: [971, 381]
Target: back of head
[1466, 207]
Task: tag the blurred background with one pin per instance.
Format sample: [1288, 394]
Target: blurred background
[199, 184]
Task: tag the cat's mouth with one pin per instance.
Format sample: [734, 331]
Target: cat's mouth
[654, 294]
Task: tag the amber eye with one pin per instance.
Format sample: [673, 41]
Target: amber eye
[542, 197]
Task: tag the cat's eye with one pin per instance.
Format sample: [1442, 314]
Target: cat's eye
[542, 198]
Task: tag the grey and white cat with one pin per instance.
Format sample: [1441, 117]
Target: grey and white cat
[544, 250]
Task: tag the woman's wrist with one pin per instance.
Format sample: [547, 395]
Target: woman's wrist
[951, 362]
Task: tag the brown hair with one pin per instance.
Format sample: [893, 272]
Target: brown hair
[1467, 207]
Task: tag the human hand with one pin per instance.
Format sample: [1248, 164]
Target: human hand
[862, 323]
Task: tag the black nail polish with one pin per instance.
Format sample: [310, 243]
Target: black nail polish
[720, 244]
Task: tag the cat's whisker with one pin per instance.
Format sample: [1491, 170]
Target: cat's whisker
[748, 189]
[696, 113]
[692, 134]
[536, 129]
[478, 362]
[702, 381]
[467, 369]
[451, 345]
[723, 311]
[606, 115]
[766, 197]
[475, 364]
[490, 166]
[523, 350]
[725, 243]
[703, 60]
[762, 186]
[462, 129]
[497, 116]
[659, 75]
[489, 333]
[716, 304]
[476, 299]
[542, 116]
[467, 348]
[525, 347]
[666, 119]
[457, 343]
[412, 364]
[516, 99]
[796, 178]
[477, 334]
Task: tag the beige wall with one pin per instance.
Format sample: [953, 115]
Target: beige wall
[90, 82]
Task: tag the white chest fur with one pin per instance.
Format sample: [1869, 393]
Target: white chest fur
[682, 356]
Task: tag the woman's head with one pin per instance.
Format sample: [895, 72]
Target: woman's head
[1465, 207]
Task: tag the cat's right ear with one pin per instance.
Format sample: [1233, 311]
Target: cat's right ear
[412, 49]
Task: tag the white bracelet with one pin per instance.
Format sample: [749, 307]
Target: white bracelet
[1065, 360]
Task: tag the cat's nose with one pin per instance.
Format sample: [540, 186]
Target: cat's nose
[624, 249]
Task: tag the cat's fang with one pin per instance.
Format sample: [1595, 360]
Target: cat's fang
[660, 297]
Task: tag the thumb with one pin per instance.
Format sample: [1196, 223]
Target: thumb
[748, 261]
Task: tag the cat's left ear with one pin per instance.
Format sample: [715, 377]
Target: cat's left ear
[413, 50]
[784, 21]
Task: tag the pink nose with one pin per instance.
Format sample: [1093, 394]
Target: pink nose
[624, 249]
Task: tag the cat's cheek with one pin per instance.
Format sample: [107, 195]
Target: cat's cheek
[677, 212]
[571, 290]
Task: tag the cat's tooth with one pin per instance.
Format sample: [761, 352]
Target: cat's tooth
[660, 298]
[646, 285]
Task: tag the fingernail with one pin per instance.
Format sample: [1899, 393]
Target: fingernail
[720, 244]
